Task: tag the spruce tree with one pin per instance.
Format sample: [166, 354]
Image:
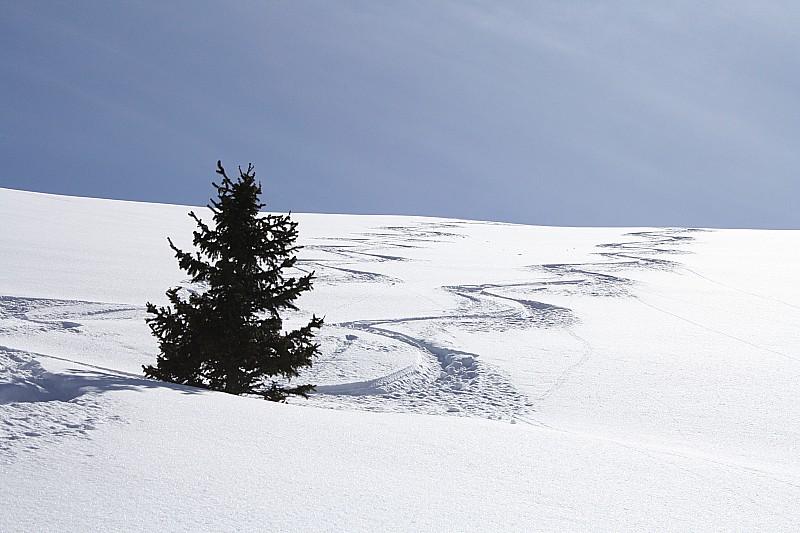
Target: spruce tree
[226, 332]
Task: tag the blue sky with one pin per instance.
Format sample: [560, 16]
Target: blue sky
[542, 112]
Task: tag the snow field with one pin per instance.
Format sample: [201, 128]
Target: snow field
[474, 376]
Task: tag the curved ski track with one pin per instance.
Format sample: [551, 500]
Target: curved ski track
[443, 379]
[450, 381]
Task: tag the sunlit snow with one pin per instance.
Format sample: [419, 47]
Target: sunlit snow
[474, 376]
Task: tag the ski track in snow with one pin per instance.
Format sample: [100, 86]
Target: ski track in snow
[39, 408]
[439, 380]
[450, 381]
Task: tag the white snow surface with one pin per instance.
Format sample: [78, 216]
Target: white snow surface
[474, 376]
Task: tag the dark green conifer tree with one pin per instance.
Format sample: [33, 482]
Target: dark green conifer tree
[227, 335]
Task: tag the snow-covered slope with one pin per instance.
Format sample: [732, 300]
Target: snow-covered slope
[475, 376]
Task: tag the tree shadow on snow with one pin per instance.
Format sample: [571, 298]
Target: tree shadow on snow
[74, 383]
